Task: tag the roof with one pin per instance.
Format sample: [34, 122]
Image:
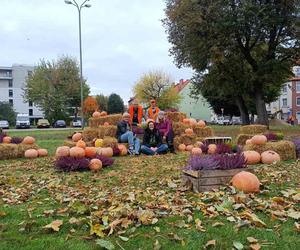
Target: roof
[181, 85]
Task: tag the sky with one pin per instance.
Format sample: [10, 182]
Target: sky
[122, 40]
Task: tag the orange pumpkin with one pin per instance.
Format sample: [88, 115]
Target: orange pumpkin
[95, 165]
[248, 141]
[269, 157]
[123, 149]
[96, 114]
[42, 152]
[106, 124]
[103, 113]
[28, 140]
[90, 152]
[212, 148]
[193, 122]
[189, 148]
[81, 144]
[186, 121]
[76, 137]
[189, 131]
[62, 151]
[246, 182]
[108, 152]
[31, 153]
[77, 152]
[201, 124]
[259, 140]
[6, 139]
[196, 151]
[181, 147]
[252, 157]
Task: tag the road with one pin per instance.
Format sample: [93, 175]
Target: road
[40, 129]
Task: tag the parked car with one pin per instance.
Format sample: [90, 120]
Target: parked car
[236, 120]
[59, 124]
[22, 121]
[4, 124]
[43, 123]
[76, 123]
[223, 120]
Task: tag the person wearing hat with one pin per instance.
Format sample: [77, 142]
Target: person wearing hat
[153, 110]
[164, 125]
[152, 142]
[125, 135]
[136, 113]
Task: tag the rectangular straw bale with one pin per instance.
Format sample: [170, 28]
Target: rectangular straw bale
[242, 138]
[253, 129]
[14, 151]
[111, 119]
[90, 134]
[110, 142]
[179, 128]
[203, 132]
[110, 131]
[176, 116]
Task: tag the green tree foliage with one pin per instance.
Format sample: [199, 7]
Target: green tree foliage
[102, 101]
[7, 113]
[264, 33]
[115, 104]
[54, 86]
[157, 85]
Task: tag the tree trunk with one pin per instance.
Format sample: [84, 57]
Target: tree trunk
[243, 110]
[262, 115]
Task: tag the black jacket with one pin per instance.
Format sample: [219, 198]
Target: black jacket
[157, 140]
[122, 128]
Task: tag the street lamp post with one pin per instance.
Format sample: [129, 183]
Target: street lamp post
[79, 8]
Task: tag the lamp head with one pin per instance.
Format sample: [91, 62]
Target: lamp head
[68, 2]
[87, 5]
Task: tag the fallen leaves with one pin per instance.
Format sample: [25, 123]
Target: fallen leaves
[54, 225]
[210, 243]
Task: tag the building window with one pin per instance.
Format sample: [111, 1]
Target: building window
[10, 83]
[10, 93]
[284, 102]
[30, 103]
[298, 101]
[298, 87]
[284, 88]
[30, 112]
[11, 102]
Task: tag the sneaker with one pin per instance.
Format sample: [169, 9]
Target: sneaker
[130, 151]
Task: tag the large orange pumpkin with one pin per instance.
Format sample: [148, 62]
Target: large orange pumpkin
[77, 152]
[81, 144]
[186, 121]
[90, 152]
[189, 131]
[123, 149]
[103, 113]
[189, 148]
[108, 152]
[193, 122]
[212, 148]
[252, 157]
[62, 151]
[246, 182]
[259, 139]
[201, 124]
[269, 157]
[196, 151]
[31, 153]
[28, 140]
[181, 147]
[6, 139]
[76, 137]
[96, 114]
[42, 152]
[95, 165]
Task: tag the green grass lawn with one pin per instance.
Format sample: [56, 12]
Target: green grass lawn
[140, 199]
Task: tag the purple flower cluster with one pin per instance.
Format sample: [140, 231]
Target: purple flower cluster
[223, 148]
[296, 141]
[16, 140]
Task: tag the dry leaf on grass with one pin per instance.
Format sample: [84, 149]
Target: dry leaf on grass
[54, 225]
[210, 243]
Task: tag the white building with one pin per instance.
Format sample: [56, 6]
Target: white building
[12, 84]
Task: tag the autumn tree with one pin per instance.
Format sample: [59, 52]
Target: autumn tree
[115, 104]
[157, 85]
[90, 105]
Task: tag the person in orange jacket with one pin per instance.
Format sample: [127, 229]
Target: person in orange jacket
[153, 110]
[136, 113]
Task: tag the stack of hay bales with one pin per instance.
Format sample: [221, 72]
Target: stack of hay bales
[111, 119]
[14, 151]
[176, 116]
[247, 132]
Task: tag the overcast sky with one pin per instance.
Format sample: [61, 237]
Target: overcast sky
[121, 39]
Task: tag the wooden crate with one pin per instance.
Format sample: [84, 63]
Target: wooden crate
[207, 180]
[217, 139]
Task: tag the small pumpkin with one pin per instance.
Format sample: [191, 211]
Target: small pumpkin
[103, 113]
[7, 139]
[81, 144]
[269, 157]
[252, 157]
[186, 121]
[246, 182]
[189, 131]
[62, 151]
[248, 141]
[189, 148]
[42, 152]
[31, 153]
[77, 152]
[28, 140]
[90, 152]
[99, 143]
[76, 137]
[201, 124]
[193, 121]
[212, 148]
[181, 147]
[123, 149]
[95, 165]
[106, 124]
[259, 139]
[108, 152]
[196, 151]
[96, 114]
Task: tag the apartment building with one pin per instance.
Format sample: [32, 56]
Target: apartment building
[12, 83]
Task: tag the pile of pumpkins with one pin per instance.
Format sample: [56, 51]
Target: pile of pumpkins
[33, 153]
[98, 114]
[266, 157]
[196, 148]
[193, 122]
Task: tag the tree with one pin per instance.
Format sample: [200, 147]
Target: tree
[265, 33]
[102, 101]
[90, 105]
[55, 87]
[157, 85]
[7, 113]
[115, 104]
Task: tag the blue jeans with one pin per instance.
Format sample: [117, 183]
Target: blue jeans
[162, 149]
[133, 142]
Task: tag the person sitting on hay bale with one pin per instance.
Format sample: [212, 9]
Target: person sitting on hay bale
[136, 113]
[164, 125]
[152, 142]
[125, 135]
[152, 112]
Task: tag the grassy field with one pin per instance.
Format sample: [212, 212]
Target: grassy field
[140, 202]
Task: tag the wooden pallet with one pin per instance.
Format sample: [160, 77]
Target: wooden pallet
[217, 139]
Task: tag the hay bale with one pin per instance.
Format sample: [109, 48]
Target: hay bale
[185, 139]
[286, 149]
[69, 143]
[253, 129]
[14, 151]
[110, 131]
[179, 128]
[89, 134]
[242, 138]
[111, 119]
[110, 142]
[176, 116]
[203, 132]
